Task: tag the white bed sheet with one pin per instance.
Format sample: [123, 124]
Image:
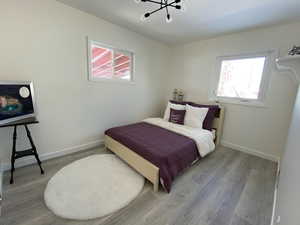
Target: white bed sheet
[203, 138]
[214, 134]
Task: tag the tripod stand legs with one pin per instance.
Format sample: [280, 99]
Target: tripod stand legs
[13, 156]
[34, 149]
[20, 154]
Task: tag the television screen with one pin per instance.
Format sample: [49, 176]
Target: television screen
[16, 101]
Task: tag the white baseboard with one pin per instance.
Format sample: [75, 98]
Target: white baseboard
[31, 160]
[250, 151]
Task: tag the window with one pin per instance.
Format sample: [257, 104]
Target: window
[109, 64]
[242, 79]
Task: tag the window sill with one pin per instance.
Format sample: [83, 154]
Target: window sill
[256, 104]
[117, 81]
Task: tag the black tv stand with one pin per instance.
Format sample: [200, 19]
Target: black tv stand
[20, 154]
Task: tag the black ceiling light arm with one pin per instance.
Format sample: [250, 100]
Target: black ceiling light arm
[162, 7]
[167, 10]
[164, 4]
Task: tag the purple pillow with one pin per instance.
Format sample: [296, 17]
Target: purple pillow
[213, 111]
[177, 116]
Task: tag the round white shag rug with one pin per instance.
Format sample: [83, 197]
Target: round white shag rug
[92, 187]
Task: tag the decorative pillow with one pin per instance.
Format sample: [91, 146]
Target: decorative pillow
[177, 116]
[195, 116]
[173, 106]
[213, 110]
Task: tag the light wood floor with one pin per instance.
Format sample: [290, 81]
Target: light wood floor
[225, 188]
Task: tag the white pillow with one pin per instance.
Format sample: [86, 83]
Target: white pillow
[195, 116]
[173, 106]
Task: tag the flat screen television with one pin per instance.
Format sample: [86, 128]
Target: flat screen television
[16, 101]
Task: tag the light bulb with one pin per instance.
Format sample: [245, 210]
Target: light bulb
[169, 18]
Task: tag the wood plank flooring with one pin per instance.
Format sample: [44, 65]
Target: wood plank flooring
[226, 188]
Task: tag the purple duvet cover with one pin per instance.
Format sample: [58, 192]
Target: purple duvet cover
[169, 151]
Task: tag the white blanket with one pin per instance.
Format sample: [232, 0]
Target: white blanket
[203, 138]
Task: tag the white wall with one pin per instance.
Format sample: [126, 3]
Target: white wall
[289, 185]
[45, 41]
[261, 131]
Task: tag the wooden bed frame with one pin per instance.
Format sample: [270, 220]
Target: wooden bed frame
[143, 166]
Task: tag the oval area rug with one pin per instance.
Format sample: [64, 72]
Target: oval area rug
[92, 187]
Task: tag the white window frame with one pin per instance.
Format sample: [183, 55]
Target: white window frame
[260, 101]
[114, 78]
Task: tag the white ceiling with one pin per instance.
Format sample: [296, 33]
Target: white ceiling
[203, 18]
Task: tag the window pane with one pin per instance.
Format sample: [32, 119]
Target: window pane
[101, 62]
[122, 66]
[241, 78]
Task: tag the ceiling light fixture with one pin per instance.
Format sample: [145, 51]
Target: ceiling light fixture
[163, 4]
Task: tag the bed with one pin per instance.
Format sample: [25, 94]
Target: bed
[160, 150]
